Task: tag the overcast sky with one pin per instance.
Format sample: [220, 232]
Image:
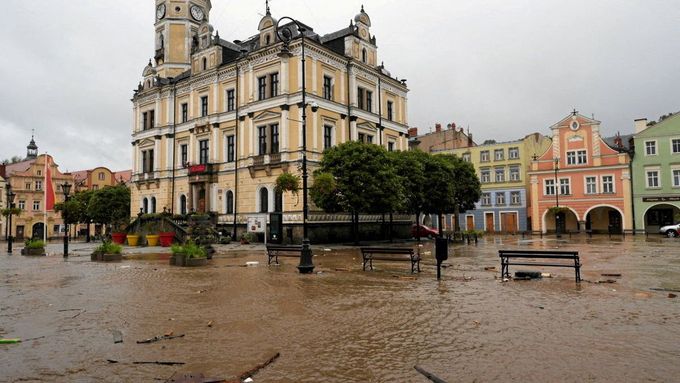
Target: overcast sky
[505, 68]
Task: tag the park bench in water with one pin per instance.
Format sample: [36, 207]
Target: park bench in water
[370, 254]
[542, 258]
[276, 251]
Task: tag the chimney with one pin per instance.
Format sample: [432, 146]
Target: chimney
[413, 132]
[618, 141]
[438, 128]
[640, 125]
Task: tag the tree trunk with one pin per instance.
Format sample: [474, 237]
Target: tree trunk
[456, 225]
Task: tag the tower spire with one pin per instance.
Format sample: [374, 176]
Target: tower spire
[268, 10]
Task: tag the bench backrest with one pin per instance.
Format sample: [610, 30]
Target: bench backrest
[283, 248]
[387, 250]
[537, 254]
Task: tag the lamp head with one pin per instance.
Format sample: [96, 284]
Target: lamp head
[66, 188]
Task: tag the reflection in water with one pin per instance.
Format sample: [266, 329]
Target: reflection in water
[344, 326]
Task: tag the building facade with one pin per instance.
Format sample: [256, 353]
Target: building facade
[441, 139]
[216, 122]
[502, 170]
[98, 178]
[580, 183]
[656, 174]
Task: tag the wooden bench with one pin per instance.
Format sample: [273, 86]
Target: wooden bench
[276, 251]
[551, 259]
[390, 254]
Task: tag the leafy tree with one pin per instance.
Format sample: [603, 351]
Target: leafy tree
[410, 168]
[110, 206]
[467, 189]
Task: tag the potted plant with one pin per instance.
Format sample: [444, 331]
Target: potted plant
[196, 255]
[108, 252]
[178, 255]
[166, 237]
[33, 247]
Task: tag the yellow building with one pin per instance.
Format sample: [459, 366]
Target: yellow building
[215, 122]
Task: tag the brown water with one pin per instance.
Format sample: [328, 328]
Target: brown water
[347, 326]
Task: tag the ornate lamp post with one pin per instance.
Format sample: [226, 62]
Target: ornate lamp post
[66, 188]
[557, 199]
[306, 265]
[10, 205]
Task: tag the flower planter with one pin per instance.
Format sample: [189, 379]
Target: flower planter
[178, 259]
[33, 252]
[118, 238]
[99, 257]
[152, 240]
[195, 262]
[167, 238]
[132, 239]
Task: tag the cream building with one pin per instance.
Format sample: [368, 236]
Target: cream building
[215, 122]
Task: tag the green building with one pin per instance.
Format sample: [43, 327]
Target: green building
[656, 174]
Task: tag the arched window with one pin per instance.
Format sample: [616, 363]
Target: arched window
[205, 63]
[364, 55]
[278, 202]
[153, 205]
[268, 39]
[264, 200]
[145, 205]
[183, 204]
[230, 202]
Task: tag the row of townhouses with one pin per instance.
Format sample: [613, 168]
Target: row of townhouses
[573, 179]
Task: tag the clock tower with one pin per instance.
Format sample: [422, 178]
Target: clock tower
[177, 24]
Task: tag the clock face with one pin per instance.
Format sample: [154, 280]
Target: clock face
[160, 11]
[197, 13]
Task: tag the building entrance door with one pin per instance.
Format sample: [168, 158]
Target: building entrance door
[470, 222]
[488, 217]
[201, 199]
[561, 222]
[20, 233]
[615, 222]
[38, 231]
[509, 221]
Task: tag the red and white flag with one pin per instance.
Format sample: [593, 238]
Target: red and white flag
[50, 196]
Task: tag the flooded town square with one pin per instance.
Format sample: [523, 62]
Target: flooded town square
[342, 324]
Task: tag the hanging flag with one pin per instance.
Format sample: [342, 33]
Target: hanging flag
[49, 188]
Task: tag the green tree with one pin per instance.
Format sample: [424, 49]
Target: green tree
[110, 206]
[467, 189]
[365, 181]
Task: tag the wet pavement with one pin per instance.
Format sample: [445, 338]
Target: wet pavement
[342, 324]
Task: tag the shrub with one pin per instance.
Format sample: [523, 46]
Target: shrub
[248, 237]
[34, 244]
[288, 182]
[191, 250]
[109, 248]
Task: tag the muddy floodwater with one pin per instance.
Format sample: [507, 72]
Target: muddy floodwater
[346, 325]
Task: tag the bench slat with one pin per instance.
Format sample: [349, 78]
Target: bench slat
[541, 264]
[539, 256]
[507, 257]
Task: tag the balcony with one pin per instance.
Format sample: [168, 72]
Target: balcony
[202, 173]
[267, 162]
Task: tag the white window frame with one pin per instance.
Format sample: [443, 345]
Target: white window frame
[21, 205]
[671, 141]
[602, 184]
[519, 198]
[658, 178]
[519, 173]
[545, 187]
[673, 170]
[481, 175]
[36, 203]
[505, 199]
[568, 184]
[481, 200]
[481, 156]
[514, 150]
[656, 148]
[496, 172]
[496, 153]
[577, 158]
[585, 185]
[467, 157]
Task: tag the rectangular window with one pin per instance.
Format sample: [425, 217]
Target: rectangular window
[577, 157]
[565, 187]
[261, 88]
[327, 136]
[500, 175]
[203, 152]
[362, 137]
[28, 186]
[231, 100]
[390, 146]
[184, 153]
[22, 205]
[571, 158]
[204, 106]
[499, 154]
[36, 205]
[676, 178]
[147, 161]
[327, 87]
[230, 148]
[513, 153]
[360, 98]
[38, 185]
[274, 83]
[185, 112]
[591, 185]
[486, 199]
[467, 157]
[102, 176]
[485, 176]
[608, 184]
[514, 174]
[145, 121]
[484, 156]
[95, 187]
[369, 101]
[500, 199]
[675, 146]
[652, 178]
[515, 198]
[549, 187]
[274, 128]
[650, 148]
[152, 119]
[262, 140]
[390, 110]
[369, 139]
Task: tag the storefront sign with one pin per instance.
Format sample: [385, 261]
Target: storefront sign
[661, 199]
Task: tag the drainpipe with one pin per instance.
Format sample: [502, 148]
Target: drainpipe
[349, 104]
[174, 143]
[237, 91]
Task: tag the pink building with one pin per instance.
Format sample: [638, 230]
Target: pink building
[580, 183]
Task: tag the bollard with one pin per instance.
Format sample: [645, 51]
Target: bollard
[475, 238]
[441, 253]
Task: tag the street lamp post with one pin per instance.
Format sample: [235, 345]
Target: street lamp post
[557, 200]
[306, 265]
[66, 188]
[10, 205]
